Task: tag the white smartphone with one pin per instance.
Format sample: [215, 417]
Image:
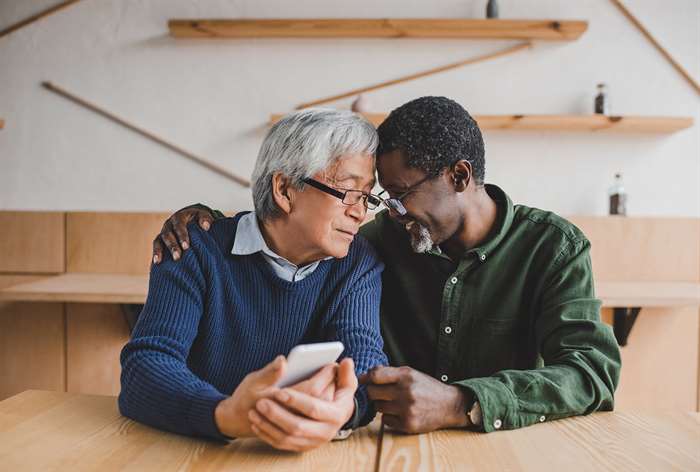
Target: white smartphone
[305, 360]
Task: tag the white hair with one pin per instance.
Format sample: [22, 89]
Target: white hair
[304, 143]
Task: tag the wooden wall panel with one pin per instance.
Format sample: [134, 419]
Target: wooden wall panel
[660, 364]
[32, 347]
[660, 361]
[643, 249]
[32, 242]
[96, 334]
[115, 243]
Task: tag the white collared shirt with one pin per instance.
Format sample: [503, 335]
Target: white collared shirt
[249, 240]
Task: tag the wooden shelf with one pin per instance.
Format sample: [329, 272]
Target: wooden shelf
[551, 30]
[623, 124]
[82, 288]
[648, 294]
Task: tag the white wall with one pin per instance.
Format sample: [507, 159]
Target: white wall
[214, 97]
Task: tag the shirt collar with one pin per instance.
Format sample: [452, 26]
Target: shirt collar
[249, 240]
[504, 220]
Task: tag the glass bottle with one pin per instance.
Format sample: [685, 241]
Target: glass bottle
[492, 9]
[618, 197]
[602, 102]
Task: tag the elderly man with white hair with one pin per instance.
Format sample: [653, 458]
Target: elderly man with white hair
[208, 347]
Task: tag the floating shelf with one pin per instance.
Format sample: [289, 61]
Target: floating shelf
[626, 124]
[80, 288]
[550, 30]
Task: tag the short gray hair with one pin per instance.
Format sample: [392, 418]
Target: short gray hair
[304, 143]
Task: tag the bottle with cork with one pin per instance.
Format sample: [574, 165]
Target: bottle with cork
[618, 197]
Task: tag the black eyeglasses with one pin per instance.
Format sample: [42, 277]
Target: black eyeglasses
[395, 203]
[349, 197]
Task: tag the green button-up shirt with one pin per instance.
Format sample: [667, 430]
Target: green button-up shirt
[514, 321]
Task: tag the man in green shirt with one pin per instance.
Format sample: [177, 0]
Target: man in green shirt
[488, 309]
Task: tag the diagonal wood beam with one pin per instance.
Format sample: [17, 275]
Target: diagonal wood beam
[656, 44]
[38, 16]
[418, 75]
[199, 160]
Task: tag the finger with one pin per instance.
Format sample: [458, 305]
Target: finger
[271, 373]
[329, 393]
[306, 405]
[387, 407]
[170, 240]
[382, 375]
[316, 384]
[280, 440]
[157, 250]
[347, 381]
[383, 392]
[289, 422]
[205, 221]
[183, 236]
[393, 421]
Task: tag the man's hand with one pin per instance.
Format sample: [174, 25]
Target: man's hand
[413, 402]
[231, 414]
[174, 235]
[296, 421]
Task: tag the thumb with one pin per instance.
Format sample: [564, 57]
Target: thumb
[271, 373]
[347, 381]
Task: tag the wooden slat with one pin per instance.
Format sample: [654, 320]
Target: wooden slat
[95, 335]
[48, 430]
[81, 288]
[32, 347]
[556, 30]
[573, 123]
[626, 441]
[648, 294]
[32, 242]
[111, 243]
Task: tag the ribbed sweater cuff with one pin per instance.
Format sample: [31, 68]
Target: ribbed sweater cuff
[201, 414]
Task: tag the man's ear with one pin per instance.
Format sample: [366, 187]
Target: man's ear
[461, 174]
[281, 193]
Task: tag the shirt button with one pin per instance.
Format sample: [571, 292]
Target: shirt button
[443, 377]
[482, 257]
[497, 424]
[448, 330]
[454, 280]
[542, 418]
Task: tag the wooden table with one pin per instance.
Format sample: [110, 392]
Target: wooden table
[42, 430]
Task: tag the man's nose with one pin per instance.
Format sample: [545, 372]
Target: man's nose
[357, 211]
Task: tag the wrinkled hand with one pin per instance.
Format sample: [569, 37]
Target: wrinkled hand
[413, 402]
[296, 421]
[231, 414]
[174, 234]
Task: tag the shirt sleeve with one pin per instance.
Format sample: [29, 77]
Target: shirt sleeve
[158, 388]
[580, 355]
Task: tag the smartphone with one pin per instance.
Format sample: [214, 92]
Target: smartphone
[305, 360]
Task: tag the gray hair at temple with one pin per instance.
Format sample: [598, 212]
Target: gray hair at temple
[304, 143]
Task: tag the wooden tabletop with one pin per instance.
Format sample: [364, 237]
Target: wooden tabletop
[62, 431]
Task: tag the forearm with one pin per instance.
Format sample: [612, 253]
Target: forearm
[577, 380]
[162, 392]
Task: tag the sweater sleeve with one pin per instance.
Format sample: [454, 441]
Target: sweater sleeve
[157, 387]
[356, 324]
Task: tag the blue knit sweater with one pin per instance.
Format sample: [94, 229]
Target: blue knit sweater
[213, 317]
